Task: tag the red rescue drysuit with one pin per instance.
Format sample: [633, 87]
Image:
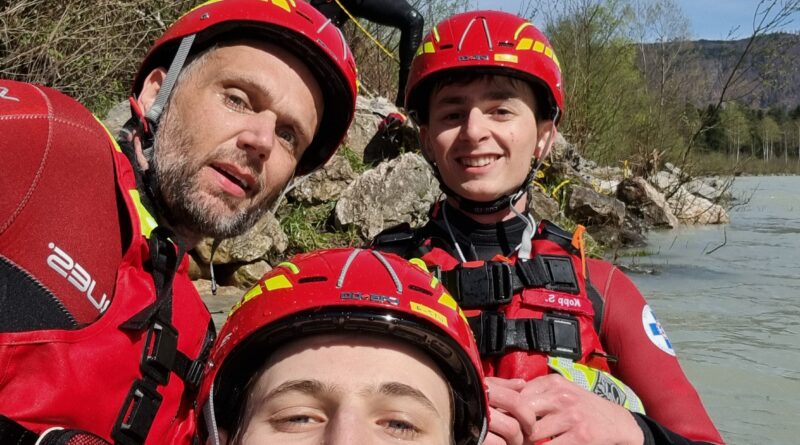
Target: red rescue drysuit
[75, 254]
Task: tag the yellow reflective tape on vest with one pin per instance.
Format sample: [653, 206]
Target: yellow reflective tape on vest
[598, 382]
[146, 220]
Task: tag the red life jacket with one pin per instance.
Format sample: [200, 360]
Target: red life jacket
[98, 378]
[531, 317]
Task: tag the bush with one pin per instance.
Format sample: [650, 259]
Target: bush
[88, 50]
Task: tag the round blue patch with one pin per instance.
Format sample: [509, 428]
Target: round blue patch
[655, 332]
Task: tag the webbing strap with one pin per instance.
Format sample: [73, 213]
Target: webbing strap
[487, 285]
[554, 334]
[160, 356]
[175, 68]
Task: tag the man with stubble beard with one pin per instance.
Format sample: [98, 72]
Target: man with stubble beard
[102, 334]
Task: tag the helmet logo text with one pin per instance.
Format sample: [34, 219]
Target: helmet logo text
[358, 296]
[480, 57]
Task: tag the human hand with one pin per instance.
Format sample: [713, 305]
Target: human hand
[570, 414]
[506, 407]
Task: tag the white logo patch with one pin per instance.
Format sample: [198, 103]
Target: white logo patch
[4, 95]
[655, 332]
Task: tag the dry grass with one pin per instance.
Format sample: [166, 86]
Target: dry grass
[89, 50]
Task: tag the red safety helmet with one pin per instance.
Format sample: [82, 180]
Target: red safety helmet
[293, 24]
[346, 290]
[490, 42]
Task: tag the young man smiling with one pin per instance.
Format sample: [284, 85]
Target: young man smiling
[102, 333]
[572, 351]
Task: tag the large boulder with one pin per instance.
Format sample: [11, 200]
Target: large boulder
[692, 209]
[369, 113]
[325, 184]
[644, 201]
[263, 240]
[542, 206]
[400, 190]
[117, 116]
[590, 208]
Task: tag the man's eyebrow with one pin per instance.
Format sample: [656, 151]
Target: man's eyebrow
[493, 94]
[310, 387]
[403, 390]
[255, 85]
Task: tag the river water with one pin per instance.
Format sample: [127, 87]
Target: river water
[734, 315]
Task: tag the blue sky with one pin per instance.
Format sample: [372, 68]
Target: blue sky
[710, 19]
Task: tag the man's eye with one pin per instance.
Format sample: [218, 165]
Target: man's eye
[236, 102]
[401, 428]
[289, 137]
[296, 422]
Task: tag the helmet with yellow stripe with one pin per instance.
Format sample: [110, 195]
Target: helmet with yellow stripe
[347, 291]
[292, 24]
[486, 42]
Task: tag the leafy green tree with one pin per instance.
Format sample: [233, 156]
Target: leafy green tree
[602, 85]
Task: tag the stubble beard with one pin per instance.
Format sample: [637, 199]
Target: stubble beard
[190, 212]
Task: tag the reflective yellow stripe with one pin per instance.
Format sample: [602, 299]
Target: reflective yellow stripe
[519, 30]
[525, 44]
[588, 379]
[291, 266]
[448, 301]
[419, 263]
[282, 4]
[146, 221]
[548, 52]
[506, 58]
[431, 313]
[110, 136]
[555, 59]
[252, 293]
[428, 48]
[277, 282]
[538, 46]
[436, 34]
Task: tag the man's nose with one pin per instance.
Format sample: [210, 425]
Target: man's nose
[348, 429]
[474, 128]
[258, 135]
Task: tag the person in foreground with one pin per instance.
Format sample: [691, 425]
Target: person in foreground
[345, 346]
[102, 334]
[571, 349]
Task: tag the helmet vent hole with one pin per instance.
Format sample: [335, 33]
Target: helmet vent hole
[420, 289]
[506, 43]
[312, 279]
[304, 16]
[447, 46]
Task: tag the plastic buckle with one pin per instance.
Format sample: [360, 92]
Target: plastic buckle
[489, 329]
[486, 286]
[137, 415]
[158, 356]
[565, 333]
[559, 273]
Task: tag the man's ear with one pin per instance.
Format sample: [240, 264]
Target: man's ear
[546, 133]
[150, 88]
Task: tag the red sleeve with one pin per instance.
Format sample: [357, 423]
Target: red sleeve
[59, 221]
[652, 371]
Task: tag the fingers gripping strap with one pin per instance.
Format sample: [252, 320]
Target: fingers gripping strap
[175, 68]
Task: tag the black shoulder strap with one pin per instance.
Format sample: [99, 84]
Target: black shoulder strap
[160, 356]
